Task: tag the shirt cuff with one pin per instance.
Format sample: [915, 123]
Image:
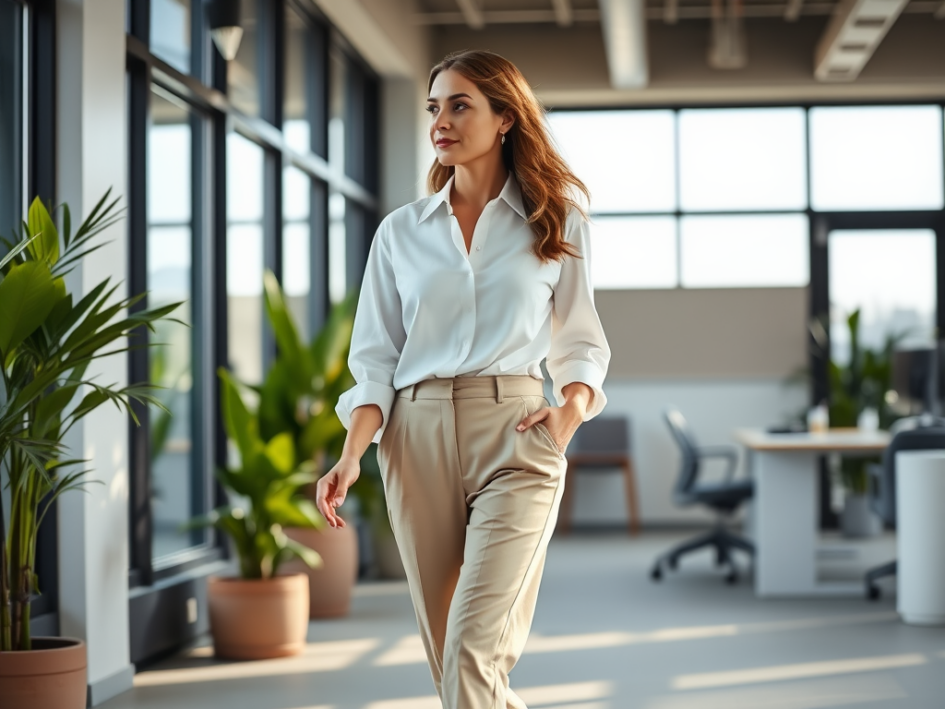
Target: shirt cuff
[585, 373]
[366, 393]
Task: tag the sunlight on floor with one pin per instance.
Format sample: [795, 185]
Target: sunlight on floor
[317, 657]
[409, 649]
[776, 673]
[553, 696]
[805, 694]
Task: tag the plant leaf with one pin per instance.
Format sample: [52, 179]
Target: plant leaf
[41, 225]
[28, 294]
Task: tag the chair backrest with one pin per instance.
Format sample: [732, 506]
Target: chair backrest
[928, 438]
[603, 435]
[688, 447]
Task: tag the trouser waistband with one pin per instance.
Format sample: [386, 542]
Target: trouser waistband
[482, 387]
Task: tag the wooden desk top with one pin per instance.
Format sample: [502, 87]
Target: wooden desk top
[835, 440]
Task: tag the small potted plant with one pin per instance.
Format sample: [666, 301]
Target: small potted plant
[857, 385]
[260, 614]
[298, 398]
[48, 338]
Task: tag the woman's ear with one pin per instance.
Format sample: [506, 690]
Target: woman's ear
[508, 120]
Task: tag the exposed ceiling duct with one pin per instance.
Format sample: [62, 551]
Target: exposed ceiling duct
[728, 46]
[623, 23]
[854, 32]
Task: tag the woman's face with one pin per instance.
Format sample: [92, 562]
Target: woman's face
[463, 126]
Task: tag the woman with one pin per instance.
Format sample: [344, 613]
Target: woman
[465, 292]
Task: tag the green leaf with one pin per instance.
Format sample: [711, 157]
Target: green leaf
[14, 251]
[240, 425]
[28, 294]
[41, 225]
[280, 451]
[50, 407]
[286, 332]
[308, 555]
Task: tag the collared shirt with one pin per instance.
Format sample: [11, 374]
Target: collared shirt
[429, 309]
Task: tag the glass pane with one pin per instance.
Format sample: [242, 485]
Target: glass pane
[627, 159]
[11, 108]
[337, 248]
[244, 257]
[742, 159]
[890, 276]
[633, 252]
[298, 128]
[242, 73]
[169, 274]
[876, 157]
[296, 238]
[170, 32]
[744, 251]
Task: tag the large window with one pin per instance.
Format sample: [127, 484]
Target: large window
[714, 198]
[11, 116]
[230, 175]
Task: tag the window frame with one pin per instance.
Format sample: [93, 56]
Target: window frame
[159, 592]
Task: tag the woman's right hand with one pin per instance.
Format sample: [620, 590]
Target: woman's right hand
[331, 489]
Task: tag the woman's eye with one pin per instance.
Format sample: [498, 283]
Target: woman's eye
[459, 106]
[431, 109]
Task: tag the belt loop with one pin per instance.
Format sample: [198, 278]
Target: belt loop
[498, 390]
[413, 391]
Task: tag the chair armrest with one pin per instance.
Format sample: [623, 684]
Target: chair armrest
[730, 453]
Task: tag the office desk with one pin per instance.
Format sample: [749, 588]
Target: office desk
[785, 510]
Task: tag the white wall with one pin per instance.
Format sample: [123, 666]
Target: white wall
[713, 407]
[93, 527]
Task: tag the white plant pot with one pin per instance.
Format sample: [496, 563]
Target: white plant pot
[857, 519]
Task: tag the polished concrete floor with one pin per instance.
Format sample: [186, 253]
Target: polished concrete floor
[604, 637]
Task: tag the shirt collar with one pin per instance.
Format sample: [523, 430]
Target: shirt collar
[511, 193]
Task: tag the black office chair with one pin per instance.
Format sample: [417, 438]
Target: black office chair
[724, 498]
[883, 489]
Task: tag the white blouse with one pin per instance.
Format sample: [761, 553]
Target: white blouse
[428, 309]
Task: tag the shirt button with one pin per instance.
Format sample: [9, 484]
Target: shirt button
[478, 248]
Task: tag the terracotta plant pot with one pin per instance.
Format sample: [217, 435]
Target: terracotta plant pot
[50, 676]
[254, 619]
[331, 584]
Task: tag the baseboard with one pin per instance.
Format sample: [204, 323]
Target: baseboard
[104, 689]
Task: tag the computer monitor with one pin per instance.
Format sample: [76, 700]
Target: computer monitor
[915, 379]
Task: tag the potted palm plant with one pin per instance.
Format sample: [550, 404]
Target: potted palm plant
[298, 398]
[260, 614]
[48, 338]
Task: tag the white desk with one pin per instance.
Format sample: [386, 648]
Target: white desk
[785, 506]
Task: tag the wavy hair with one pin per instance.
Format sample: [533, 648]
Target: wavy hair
[548, 186]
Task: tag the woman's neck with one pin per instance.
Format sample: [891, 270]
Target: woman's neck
[476, 183]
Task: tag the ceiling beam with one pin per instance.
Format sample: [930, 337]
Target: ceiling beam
[793, 10]
[851, 37]
[564, 13]
[472, 13]
[671, 12]
[623, 23]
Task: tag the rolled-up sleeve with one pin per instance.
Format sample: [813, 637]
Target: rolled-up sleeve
[377, 338]
[579, 350]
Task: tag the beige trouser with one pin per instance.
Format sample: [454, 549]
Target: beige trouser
[473, 503]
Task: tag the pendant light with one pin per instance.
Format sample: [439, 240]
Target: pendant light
[225, 29]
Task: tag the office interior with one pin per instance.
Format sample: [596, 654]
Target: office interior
[759, 170]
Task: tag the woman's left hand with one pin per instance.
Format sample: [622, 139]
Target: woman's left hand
[561, 422]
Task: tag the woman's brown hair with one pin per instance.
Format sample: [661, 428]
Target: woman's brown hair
[548, 186]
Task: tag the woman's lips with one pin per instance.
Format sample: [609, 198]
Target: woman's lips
[444, 143]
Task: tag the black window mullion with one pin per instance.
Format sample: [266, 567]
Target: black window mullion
[319, 299]
[141, 518]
